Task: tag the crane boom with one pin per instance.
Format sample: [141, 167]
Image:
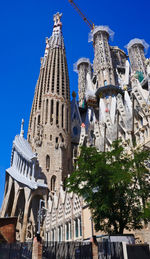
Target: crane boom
[88, 22]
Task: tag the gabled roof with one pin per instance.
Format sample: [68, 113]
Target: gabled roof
[75, 109]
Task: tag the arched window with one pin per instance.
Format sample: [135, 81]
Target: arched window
[53, 182]
[105, 82]
[47, 162]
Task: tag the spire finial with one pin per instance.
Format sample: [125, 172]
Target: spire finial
[22, 130]
[57, 18]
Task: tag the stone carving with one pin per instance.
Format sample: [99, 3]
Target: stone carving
[39, 137]
[30, 230]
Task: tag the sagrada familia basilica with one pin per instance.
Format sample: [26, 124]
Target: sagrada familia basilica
[114, 102]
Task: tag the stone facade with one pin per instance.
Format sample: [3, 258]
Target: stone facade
[114, 102]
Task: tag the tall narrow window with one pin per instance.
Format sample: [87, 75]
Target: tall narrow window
[43, 111]
[47, 162]
[76, 228]
[46, 115]
[29, 140]
[53, 234]
[80, 226]
[41, 90]
[53, 75]
[53, 181]
[60, 233]
[57, 113]
[39, 119]
[67, 120]
[34, 126]
[67, 231]
[52, 111]
[58, 72]
[62, 69]
[62, 123]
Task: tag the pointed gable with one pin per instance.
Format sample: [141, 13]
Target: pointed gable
[75, 120]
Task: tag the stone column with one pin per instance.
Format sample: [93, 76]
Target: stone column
[17, 192]
[33, 170]
[94, 247]
[37, 248]
[6, 199]
[26, 211]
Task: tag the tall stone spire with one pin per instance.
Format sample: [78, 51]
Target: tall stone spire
[82, 67]
[49, 125]
[136, 55]
[102, 64]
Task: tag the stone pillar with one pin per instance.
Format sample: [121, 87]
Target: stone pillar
[26, 211]
[125, 254]
[17, 192]
[94, 247]
[33, 170]
[6, 198]
[37, 248]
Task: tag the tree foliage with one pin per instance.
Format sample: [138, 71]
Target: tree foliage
[115, 185]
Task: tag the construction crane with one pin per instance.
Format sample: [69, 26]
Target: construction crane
[88, 22]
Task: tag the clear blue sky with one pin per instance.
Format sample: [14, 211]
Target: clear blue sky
[23, 28]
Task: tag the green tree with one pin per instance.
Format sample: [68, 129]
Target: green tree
[115, 185]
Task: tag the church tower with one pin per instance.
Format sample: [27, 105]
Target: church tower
[82, 67]
[49, 125]
[102, 64]
[136, 55]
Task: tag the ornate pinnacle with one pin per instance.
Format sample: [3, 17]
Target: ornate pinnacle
[22, 130]
[57, 19]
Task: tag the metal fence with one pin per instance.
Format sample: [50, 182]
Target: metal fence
[16, 251]
[110, 250]
[67, 250]
[138, 251]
